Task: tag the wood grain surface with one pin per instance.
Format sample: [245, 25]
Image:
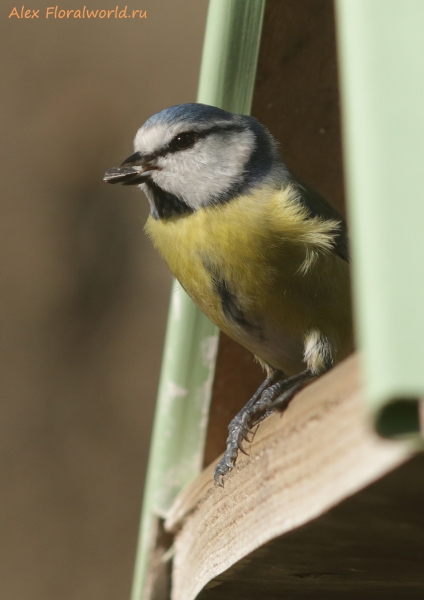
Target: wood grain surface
[301, 463]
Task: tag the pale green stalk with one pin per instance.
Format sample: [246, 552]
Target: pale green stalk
[227, 79]
[381, 51]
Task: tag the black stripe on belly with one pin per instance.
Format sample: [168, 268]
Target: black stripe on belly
[228, 299]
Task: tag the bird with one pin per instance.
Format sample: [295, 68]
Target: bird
[259, 251]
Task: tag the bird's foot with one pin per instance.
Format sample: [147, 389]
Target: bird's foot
[267, 399]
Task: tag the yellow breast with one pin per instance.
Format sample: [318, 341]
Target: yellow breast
[274, 264]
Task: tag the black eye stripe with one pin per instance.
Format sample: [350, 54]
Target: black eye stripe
[197, 134]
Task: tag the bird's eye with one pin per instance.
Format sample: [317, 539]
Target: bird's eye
[185, 140]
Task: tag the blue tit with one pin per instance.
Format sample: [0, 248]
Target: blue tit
[261, 253]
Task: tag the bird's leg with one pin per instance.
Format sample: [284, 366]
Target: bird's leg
[238, 429]
[258, 408]
[283, 400]
[279, 395]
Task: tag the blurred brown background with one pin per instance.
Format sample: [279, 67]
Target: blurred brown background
[83, 296]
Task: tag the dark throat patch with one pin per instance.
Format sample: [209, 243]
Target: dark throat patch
[165, 205]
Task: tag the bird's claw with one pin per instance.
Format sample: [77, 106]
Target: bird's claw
[220, 470]
[225, 465]
[246, 422]
[239, 428]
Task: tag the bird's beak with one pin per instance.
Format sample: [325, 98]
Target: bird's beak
[133, 171]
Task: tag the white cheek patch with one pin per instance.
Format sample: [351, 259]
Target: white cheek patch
[207, 170]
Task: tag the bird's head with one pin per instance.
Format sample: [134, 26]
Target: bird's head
[193, 155]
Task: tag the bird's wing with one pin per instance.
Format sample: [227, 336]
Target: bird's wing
[317, 206]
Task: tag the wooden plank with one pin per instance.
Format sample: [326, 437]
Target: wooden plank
[302, 463]
[369, 546]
